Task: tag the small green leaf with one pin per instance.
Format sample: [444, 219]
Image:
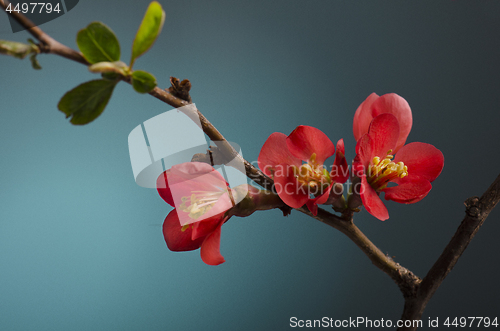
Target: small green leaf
[143, 82]
[15, 49]
[117, 67]
[148, 30]
[98, 43]
[86, 101]
[34, 62]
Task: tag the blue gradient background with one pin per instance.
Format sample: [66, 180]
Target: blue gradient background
[81, 246]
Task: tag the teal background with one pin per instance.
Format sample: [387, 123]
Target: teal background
[81, 245]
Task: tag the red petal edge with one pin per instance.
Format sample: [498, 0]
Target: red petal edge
[408, 191]
[423, 160]
[306, 140]
[340, 170]
[288, 188]
[210, 249]
[176, 239]
[384, 132]
[372, 201]
[274, 152]
[363, 117]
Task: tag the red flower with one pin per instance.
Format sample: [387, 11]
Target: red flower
[201, 198]
[388, 103]
[296, 183]
[415, 166]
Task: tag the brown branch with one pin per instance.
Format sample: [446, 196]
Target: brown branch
[404, 278]
[47, 43]
[476, 212]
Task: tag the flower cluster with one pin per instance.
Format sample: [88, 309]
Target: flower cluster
[381, 127]
[204, 201]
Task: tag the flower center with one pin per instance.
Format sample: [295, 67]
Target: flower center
[313, 176]
[199, 203]
[381, 172]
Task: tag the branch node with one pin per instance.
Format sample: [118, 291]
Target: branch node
[180, 89]
[472, 207]
[286, 210]
[409, 287]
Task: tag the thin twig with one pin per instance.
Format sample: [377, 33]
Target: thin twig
[47, 43]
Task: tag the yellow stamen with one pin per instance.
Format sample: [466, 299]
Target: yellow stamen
[381, 172]
[312, 176]
[200, 202]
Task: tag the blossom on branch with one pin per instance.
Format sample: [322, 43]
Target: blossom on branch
[201, 198]
[296, 183]
[413, 169]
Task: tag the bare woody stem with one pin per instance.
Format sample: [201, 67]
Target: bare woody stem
[477, 210]
[417, 292]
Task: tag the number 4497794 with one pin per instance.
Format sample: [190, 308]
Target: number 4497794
[463, 322]
[26, 7]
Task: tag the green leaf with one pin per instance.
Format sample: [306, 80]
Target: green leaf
[98, 43]
[86, 101]
[16, 49]
[143, 82]
[148, 30]
[34, 62]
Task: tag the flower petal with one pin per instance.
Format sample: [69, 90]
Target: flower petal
[206, 227]
[423, 160]
[363, 117]
[274, 152]
[396, 105]
[312, 204]
[364, 155]
[198, 175]
[210, 249]
[408, 190]
[384, 131]
[288, 188]
[306, 140]
[340, 170]
[372, 201]
[163, 190]
[180, 180]
[176, 239]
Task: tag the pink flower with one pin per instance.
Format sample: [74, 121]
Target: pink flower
[388, 103]
[201, 198]
[296, 183]
[414, 167]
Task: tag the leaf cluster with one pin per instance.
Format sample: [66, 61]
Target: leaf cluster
[101, 48]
